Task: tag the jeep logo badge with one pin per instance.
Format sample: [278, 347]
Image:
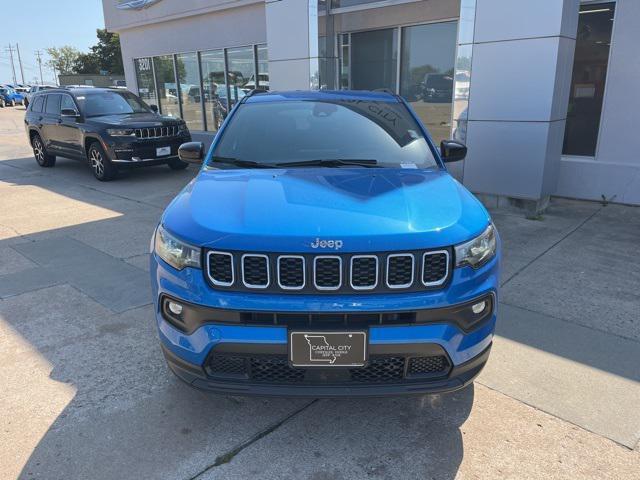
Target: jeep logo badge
[335, 244]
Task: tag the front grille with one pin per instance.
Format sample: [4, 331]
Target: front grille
[221, 268]
[364, 272]
[327, 273]
[255, 271]
[340, 273]
[399, 270]
[434, 267]
[157, 132]
[275, 369]
[291, 272]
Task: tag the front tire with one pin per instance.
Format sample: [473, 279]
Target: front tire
[101, 165]
[177, 164]
[13, 103]
[43, 158]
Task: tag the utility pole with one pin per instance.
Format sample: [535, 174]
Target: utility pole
[38, 53]
[13, 67]
[20, 62]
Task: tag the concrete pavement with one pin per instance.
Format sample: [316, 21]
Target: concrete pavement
[84, 392]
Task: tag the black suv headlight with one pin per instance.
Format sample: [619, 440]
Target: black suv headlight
[175, 252]
[182, 127]
[121, 132]
[478, 251]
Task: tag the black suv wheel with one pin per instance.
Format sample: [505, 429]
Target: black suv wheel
[43, 158]
[101, 165]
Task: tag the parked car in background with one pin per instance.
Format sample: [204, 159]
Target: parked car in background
[110, 128]
[348, 262]
[437, 87]
[35, 89]
[11, 97]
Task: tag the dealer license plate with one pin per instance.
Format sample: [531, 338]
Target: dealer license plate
[327, 349]
[163, 151]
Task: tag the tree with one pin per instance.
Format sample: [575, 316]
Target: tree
[107, 53]
[63, 59]
[86, 63]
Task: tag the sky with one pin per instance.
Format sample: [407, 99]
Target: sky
[40, 24]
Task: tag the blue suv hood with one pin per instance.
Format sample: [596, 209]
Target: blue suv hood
[287, 209]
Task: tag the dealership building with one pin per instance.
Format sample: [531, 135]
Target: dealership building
[543, 92]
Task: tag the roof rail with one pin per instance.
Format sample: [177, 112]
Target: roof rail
[255, 91]
[385, 90]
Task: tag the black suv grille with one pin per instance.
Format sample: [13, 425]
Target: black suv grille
[275, 369]
[339, 273]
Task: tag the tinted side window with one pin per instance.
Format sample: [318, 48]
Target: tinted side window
[67, 103]
[53, 104]
[38, 104]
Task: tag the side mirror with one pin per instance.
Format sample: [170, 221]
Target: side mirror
[154, 108]
[452, 151]
[69, 112]
[191, 152]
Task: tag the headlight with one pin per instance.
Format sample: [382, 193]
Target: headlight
[120, 132]
[182, 127]
[477, 251]
[175, 252]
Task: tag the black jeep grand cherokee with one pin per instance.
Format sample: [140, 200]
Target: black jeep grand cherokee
[110, 128]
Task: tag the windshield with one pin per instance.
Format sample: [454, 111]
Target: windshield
[268, 133]
[110, 103]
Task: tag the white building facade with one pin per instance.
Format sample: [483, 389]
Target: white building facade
[542, 92]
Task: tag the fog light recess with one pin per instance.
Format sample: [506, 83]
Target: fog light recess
[176, 308]
[479, 307]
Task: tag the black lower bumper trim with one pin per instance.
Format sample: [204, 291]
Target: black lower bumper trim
[459, 377]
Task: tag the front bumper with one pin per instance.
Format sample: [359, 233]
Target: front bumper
[188, 353]
[131, 151]
[458, 377]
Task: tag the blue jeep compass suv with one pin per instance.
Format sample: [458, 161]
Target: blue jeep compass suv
[324, 250]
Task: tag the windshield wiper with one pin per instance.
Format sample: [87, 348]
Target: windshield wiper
[331, 162]
[239, 163]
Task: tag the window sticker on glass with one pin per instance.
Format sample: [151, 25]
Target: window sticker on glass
[408, 165]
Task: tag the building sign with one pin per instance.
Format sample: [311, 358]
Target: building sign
[135, 4]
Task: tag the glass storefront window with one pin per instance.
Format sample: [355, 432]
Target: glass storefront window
[144, 78]
[240, 72]
[374, 59]
[427, 74]
[345, 57]
[190, 95]
[590, 63]
[178, 89]
[263, 67]
[167, 88]
[215, 89]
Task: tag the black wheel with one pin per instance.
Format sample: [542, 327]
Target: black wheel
[101, 165]
[177, 164]
[43, 158]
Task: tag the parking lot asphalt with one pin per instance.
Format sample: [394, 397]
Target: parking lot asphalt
[85, 393]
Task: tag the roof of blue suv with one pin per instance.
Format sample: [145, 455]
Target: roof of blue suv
[378, 96]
